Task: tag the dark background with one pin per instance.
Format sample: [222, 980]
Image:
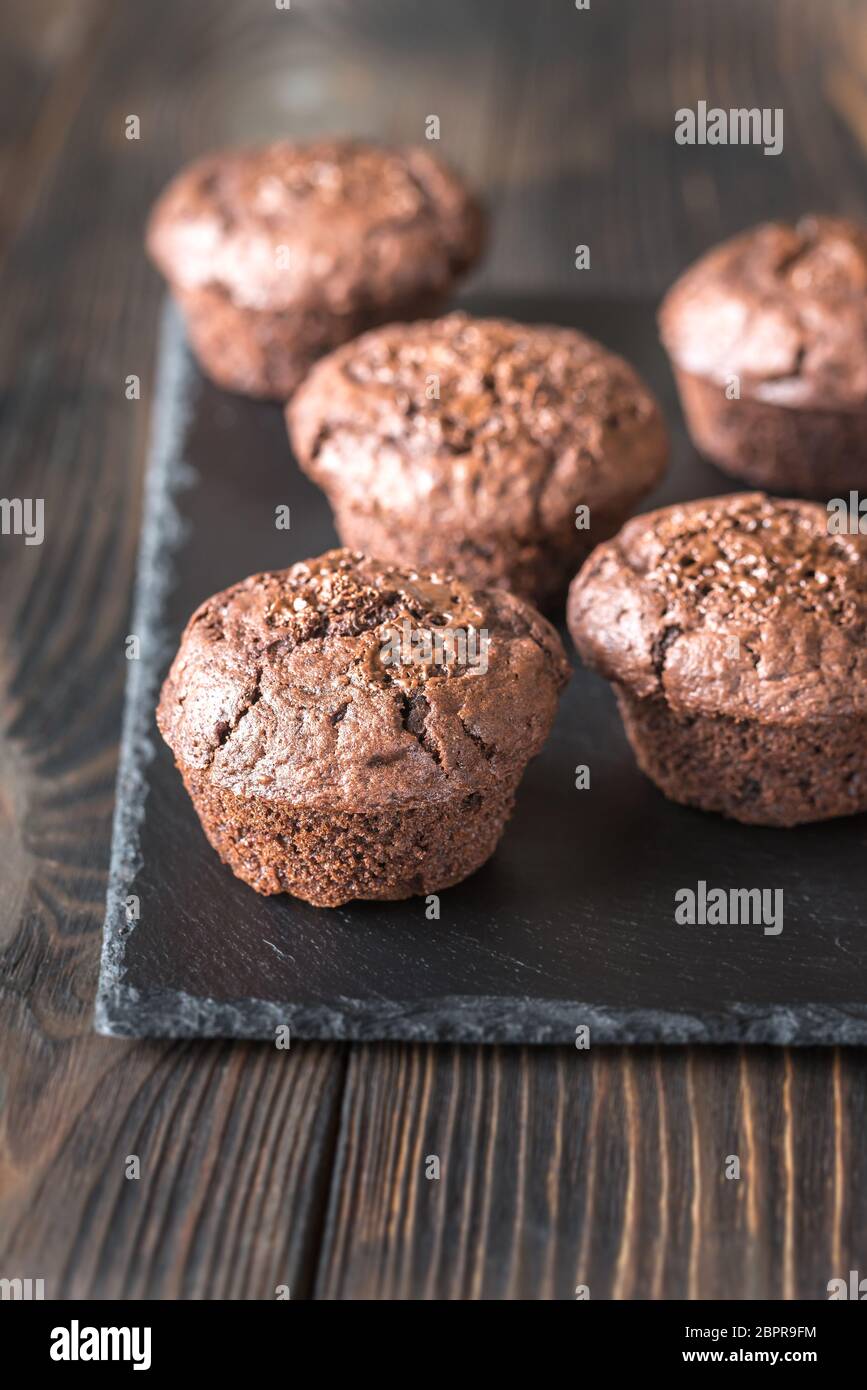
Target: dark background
[261, 1168]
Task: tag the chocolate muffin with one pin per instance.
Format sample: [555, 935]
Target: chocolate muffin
[349, 729]
[469, 445]
[733, 631]
[277, 254]
[767, 335]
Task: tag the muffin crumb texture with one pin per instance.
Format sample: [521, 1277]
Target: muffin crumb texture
[767, 335]
[318, 764]
[783, 307]
[280, 252]
[468, 444]
[734, 632]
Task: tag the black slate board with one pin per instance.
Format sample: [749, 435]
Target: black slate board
[571, 923]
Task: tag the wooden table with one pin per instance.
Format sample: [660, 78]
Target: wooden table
[307, 1168]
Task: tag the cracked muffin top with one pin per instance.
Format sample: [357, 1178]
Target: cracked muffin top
[741, 605]
[336, 683]
[335, 223]
[481, 419]
[782, 307]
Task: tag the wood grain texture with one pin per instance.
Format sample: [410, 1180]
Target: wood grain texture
[235, 1150]
[562, 1168]
[258, 1167]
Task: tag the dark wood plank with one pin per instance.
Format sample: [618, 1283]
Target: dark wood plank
[606, 1169]
[235, 1143]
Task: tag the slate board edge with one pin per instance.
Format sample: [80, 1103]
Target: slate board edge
[130, 1013]
[121, 1011]
[163, 532]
